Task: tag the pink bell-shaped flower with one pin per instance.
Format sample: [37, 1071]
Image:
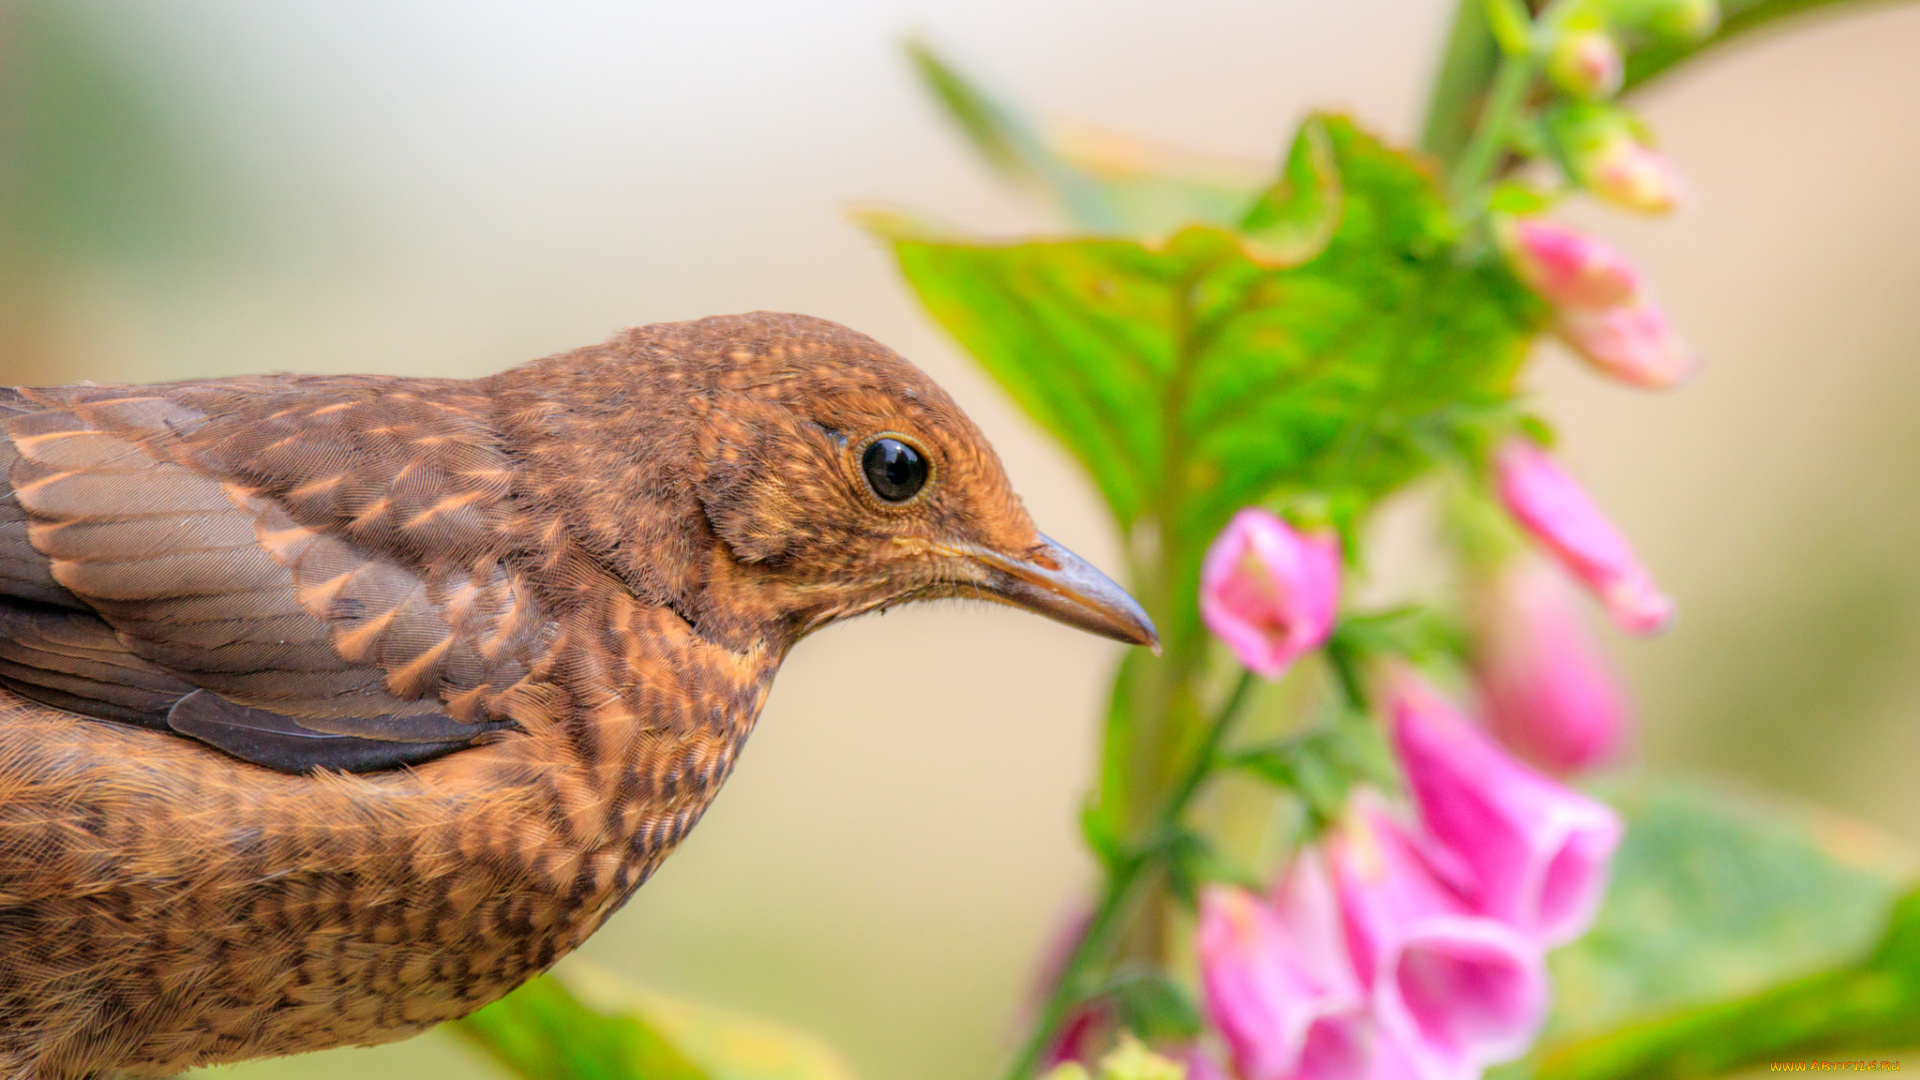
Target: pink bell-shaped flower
[1553, 507]
[1453, 988]
[1546, 691]
[1274, 994]
[1536, 853]
[1269, 592]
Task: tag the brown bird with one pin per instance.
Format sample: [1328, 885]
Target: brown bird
[337, 706]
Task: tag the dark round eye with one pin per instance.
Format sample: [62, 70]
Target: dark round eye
[895, 470]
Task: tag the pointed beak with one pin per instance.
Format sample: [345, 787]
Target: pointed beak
[1052, 581]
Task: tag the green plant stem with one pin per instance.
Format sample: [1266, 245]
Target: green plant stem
[1466, 69]
[1123, 876]
[1478, 162]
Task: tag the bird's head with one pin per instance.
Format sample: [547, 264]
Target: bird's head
[841, 480]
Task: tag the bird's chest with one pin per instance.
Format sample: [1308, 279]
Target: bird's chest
[587, 811]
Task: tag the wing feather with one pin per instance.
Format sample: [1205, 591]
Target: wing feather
[306, 586]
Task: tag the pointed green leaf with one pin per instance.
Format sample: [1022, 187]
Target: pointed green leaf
[1008, 141]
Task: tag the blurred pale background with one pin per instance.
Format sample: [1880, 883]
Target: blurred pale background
[448, 189]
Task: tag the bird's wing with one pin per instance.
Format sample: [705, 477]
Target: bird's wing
[153, 569]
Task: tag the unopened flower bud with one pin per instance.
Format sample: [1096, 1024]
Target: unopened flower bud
[1269, 592]
[1131, 1060]
[1675, 20]
[1633, 342]
[1604, 308]
[1556, 511]
[1633, 176]
[1567, 267]
[1607, 150]
[1546, 691]
[1587, 63]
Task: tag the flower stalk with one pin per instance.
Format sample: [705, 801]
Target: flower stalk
[1125, 874]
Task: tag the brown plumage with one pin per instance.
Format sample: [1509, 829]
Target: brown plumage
[335, 707]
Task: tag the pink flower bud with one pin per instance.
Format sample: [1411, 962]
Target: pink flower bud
[1269, 592]
[1273, 991]
[1547, 692]
[1634, 342]
[1458, 989]
[1567, 267]
[1604, 308]
[1587, 63]
[1537, 854]
[1626, 172]
[1551, 506]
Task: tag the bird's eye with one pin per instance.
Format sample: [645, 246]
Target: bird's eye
[895, 471]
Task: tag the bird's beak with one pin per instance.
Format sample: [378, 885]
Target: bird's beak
[1052, 581]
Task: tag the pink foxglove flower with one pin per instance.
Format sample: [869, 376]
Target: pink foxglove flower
[1553, 507]
[1343, 1043]
[1603, 307]
[1455, 989]
[1545, 689]
[1537, 853]
[1270, 991]
[1269, 592]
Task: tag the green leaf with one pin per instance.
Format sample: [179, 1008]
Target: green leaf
[590, 1025]
[542, 1032]
[1320, 767]
[1149, 1003]
[1192, 379]
[1000, 136]
[1738, 18]
[1103, 181]
[1293, 220]
[1732, 935]
[1846, 1013]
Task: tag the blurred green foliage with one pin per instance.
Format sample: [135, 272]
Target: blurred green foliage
[1738, 931]
[590, 1025]
[95, 162]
